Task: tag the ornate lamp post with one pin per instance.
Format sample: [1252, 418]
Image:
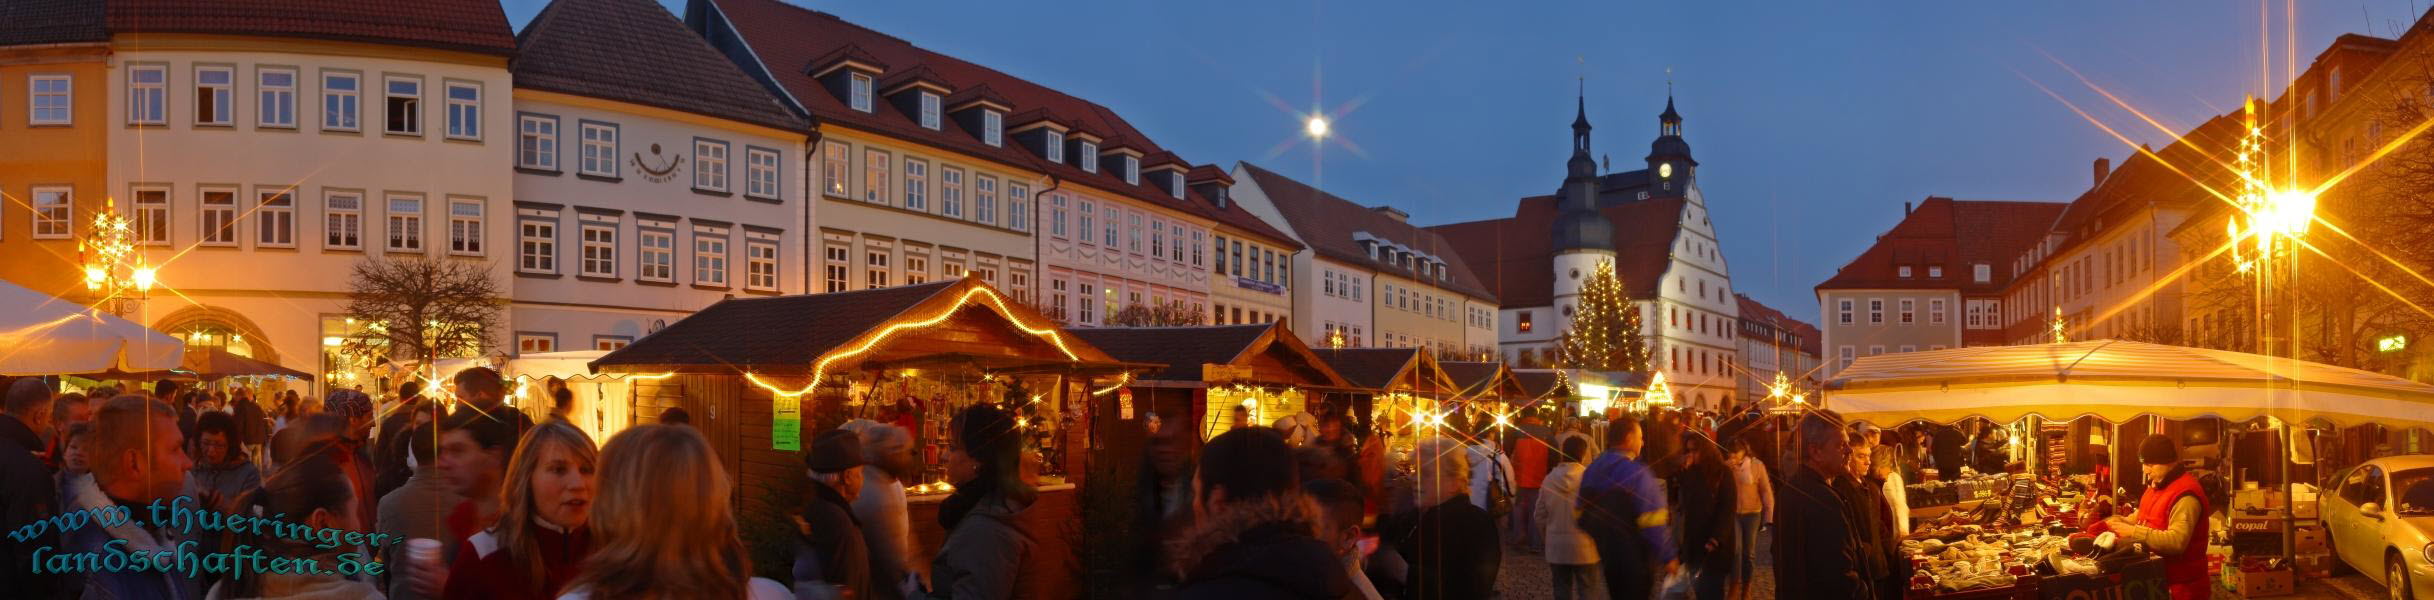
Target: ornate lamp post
[114, 271]
[2271, 221]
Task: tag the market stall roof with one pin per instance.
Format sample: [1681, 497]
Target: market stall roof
[1539, 383]
[571, 364]
[961, 318]
[43, 335]
[2117, 381]
[1484, 378]
[1388, 369]
[214, 363]
[1271, 353]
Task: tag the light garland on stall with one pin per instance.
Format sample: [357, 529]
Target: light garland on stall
[819, 370]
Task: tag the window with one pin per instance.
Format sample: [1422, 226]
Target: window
[710, 165]
[465, 227]
[464, 111]
[875, 271]
[599, 149]
[992, 128]
[1196, 248]
[874, 177]
[405, 224]
[760, 172]
[835, 267]
[1157, 239]
[1843, 310]
[214, 90]
[1174, 185]
[1908, 348]
[1056, 148]
[537, 246]
[151, 216]
[342, 221]
[655, 259]
[1845, 354]
[1018, 206]
[950, 192]
[341, 101]
[50, 100]
[610, 343]
[1088, 215]
[984, 200]
[1903, 272]
[833, 166]
[599, 250]
[1132, 170]
[1909, 311]
[1876, 350]
[536, 342]
[53, 212]
[1521, 322]
[916, 185]
[404, 101]
[1876, 311]
[1935, 271]
[275, 90]
[275, 219]
[929, 110]
[218, 217]
[760, 265]
[537, 142]
[1090, 157]
[1089, 299]
[916, 267]
[147, 95]
[1935, 311]
[1238, 266]
[1056, 215]
[1135, 230]
[1108, 227]
[710, 257]
[859, 93]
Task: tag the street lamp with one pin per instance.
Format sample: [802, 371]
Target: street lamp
[2272, 220]
[1317, 126]
[113, 270]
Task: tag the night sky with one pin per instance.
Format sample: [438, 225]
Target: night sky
[1812, 121]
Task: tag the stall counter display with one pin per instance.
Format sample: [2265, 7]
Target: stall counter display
[1258, 406]
[928, 406]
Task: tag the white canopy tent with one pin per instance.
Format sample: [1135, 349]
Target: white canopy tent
[43, 335]
[2118, 381]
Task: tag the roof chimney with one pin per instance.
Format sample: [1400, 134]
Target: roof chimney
[1397, 214]
[1905, 208]
[2104, 166]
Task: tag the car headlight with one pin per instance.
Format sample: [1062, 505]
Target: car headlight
[2427, 552]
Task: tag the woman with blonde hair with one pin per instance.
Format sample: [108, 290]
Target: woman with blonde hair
[542, 536]
[664, 524]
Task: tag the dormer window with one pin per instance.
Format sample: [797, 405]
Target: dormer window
[992, 128]
[1935, 271]
[1056, 147]
[929, 110]
[1090, 157]
[1904, 271]
[1174, 185]
[1132, 170]
[859, 95]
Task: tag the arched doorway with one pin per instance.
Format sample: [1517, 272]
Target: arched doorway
[209, 327]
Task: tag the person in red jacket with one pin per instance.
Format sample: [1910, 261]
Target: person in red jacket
[542, 536]
[1529, 451]
[2169, 519]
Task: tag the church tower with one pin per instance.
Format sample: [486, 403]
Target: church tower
[1582, 237]
[1670, 168]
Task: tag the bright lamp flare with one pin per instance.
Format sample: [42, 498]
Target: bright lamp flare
[1317, 126]
[2288, 212]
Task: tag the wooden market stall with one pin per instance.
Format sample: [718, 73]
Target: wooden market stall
[760, 376]
[1402, 388]
[1216, 376]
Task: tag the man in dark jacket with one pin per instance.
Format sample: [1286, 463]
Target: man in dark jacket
[1624, 512]
[836, 563]
[1816, 550]
[389, 453]
[1255, 536]
[1706, 487]
[1949, 457]
[30, 494]
[1873, 517]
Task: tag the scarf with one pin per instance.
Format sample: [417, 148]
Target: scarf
[967, 496]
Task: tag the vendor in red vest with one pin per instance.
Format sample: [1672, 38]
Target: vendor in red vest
[2170, 518]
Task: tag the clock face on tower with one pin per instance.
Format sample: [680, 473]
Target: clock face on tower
[1664, 169]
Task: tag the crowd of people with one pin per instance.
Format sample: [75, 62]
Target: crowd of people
[495, 504]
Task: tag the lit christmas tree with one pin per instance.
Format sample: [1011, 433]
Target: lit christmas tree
[1605, 331]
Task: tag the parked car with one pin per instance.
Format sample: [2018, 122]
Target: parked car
[2381, 521]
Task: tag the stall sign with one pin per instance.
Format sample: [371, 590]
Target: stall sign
[786, 432]
[1212, 373]
[1124, 404]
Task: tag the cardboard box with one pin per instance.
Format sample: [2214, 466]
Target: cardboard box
[2306, 539]
[2260, 584]
[2315, 565]
[2256, 525]
[2259, 500]
[2305, 509]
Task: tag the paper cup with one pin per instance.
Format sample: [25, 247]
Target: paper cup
[423, 551]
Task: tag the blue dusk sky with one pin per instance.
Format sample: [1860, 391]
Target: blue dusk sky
[1812, 121]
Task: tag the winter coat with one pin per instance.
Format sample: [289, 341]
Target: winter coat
[484, 569]
[1816, 548]
[1264, 548]
[1482, 480]
[1706, 513]
[391, 448]
[887, 528]
[229, 480]
[1452, 548]
[94, 536]
[417, 509]
[833, 557]
[1557, 495]
[982, 558]
[30, 494]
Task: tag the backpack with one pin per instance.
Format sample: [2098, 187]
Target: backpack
[1499, 491]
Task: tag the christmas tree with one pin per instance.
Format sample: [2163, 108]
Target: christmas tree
[1605, 330]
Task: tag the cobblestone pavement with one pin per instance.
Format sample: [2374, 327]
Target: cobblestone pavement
[1525, 575]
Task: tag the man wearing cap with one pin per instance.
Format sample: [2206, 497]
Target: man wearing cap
[2168, 518]
[837, 563]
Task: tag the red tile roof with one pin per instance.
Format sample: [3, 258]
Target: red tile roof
[1519, 258]
[1953, 234]
[791, 42]
[1184, 349]
[587, 48]
[1755, 311]
[24, 22]
[1328, 222]
[463, 25]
